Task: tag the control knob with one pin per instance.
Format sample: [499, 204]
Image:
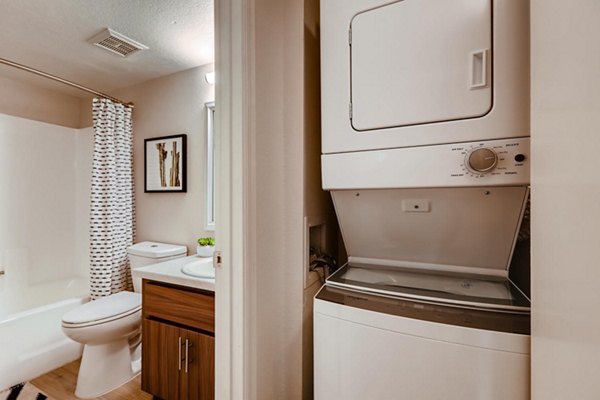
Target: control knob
[482, 159]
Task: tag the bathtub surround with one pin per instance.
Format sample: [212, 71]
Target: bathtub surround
[44, 258]
[112, 218]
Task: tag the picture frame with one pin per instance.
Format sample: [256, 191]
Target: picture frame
[165, 166]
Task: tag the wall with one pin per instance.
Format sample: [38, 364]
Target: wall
[565, 206]
[36, 103]
[278, 197]
[84, 154]
[167, 106]
[318, 206]
[40, 184]
[284, 190]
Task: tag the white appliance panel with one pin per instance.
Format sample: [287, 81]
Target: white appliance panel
[362, 354]
[507, 62]
[472, 227]
[406, 72]
[427, 166]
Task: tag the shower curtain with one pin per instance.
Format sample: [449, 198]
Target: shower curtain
[112, 218]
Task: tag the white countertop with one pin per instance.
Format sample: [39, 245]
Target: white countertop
[170, 272]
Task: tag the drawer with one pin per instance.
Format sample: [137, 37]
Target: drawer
[190, 307]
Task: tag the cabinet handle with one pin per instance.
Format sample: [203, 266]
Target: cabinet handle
[187, 346]
[179, 353]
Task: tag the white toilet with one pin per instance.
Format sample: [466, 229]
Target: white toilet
[109, 328]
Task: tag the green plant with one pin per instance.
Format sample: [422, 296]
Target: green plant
[206, 241]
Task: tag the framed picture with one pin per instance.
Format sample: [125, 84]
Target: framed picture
[165, 164]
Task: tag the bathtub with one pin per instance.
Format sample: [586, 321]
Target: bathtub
[31, 339]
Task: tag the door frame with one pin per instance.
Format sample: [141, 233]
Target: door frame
[234, 122]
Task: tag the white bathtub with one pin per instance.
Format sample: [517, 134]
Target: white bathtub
[31, 339]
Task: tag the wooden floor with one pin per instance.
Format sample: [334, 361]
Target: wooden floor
[60, 385]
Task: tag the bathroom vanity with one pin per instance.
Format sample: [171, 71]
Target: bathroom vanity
[178, 342]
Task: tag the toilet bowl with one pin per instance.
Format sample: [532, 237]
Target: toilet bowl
[110, 329]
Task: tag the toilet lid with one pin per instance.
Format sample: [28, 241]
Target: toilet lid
[103, 308]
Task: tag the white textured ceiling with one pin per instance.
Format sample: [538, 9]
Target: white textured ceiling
[51, 35]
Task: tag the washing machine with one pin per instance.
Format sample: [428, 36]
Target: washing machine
[426, 307]
[390, 336]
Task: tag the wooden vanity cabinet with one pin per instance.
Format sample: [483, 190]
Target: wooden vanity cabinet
[178, 344]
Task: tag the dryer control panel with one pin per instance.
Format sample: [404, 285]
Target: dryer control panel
[503, 162]
[493, 158]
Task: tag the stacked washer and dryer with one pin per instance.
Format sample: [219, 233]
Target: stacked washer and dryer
[425, 140]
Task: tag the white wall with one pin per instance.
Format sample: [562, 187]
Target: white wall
[84, 154]
[39, 186]
[168, 106]
[565, 200]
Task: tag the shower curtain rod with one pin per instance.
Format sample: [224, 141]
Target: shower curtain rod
[61, 80]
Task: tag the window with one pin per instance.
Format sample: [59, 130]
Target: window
[209, 224]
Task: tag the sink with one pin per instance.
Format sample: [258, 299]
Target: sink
[201, 268]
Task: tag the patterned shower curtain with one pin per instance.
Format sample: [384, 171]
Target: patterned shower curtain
[112, 220]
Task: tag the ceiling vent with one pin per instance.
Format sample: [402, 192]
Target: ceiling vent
[117, 43]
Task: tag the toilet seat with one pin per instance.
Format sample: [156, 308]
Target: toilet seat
[106, 309]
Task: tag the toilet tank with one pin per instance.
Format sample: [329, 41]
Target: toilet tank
[146, 253]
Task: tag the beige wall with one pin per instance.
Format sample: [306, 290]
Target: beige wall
[318, 206]
[278, 192]
[287, 189]
[168, 106]
[565, 200]
[39, 104]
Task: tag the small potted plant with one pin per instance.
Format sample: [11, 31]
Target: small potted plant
[206, 247]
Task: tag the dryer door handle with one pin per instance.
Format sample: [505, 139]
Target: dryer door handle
[479, 69]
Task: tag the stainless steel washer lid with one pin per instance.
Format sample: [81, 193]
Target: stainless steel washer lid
[104, 308]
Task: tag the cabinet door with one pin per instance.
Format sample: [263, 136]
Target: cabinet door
[198, 374]
[161, 360]
[420, 61]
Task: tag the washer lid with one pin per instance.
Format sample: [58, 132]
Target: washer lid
[106, 307]
[467, 230]
[156, 250]
[444, 288]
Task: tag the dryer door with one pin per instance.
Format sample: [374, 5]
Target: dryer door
[420, 61]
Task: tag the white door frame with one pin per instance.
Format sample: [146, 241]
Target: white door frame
[234, 372]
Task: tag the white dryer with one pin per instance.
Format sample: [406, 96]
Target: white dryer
[419, 72]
